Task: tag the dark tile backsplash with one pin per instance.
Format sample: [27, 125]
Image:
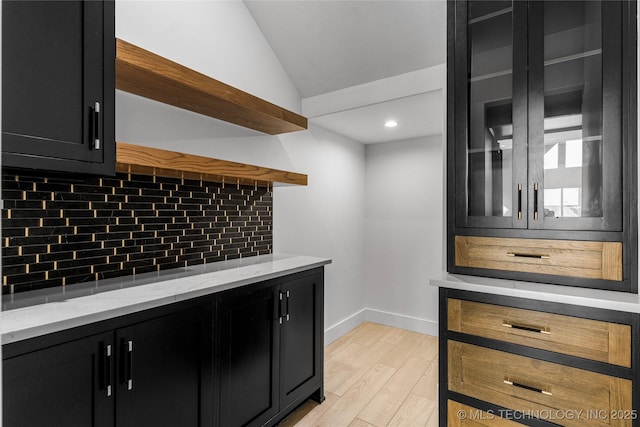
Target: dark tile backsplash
[59, 231]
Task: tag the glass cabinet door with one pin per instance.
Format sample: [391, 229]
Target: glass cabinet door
[491, 119]
[575, 176]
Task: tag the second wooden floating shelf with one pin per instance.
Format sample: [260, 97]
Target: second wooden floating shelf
[144, 73]
[153, 161]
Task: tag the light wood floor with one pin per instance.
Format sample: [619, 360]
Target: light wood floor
[376, 376]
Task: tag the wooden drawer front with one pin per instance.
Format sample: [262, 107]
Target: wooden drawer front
[460, 415]
[592, 260]
[591, 339]
[573, 397]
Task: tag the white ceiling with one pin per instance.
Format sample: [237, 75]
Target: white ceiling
[366, 124]
[336, 48]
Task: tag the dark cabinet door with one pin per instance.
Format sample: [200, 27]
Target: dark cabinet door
[249, 335]
[165, 371]
[60, 386]
[301, 343]
[58, 85]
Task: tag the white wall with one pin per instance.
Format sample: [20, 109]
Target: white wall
[403, 231]
[222, 40]
[217, 38]
[326, 218]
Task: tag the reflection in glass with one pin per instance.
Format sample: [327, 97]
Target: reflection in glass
[490, 110]
[572, 109]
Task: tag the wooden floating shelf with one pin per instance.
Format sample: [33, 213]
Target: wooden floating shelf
[153, 161]
[144, 73]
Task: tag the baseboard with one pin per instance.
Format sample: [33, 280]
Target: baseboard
[334, 332]
[401, 321]
[396, 320]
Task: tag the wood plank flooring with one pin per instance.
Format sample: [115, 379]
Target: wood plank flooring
[378, 376]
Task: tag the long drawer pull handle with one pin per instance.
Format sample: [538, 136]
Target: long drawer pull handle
[525, 255]
[528, 387]
[523, 327]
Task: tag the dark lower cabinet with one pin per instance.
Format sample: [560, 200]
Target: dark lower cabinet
[58, 386]
[302, 340]
[170, 367]
[165, 372]
[271, 349]
[249, 332]
[155, 372]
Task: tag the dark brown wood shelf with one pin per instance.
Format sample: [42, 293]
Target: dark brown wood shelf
[153, 161]
[144, 73]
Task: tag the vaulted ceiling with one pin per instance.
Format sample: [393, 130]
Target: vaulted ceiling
[358, 63]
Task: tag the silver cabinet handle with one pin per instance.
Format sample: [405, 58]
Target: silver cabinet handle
[129, 365]
[96, 126]
[288, 295]
[106, 369]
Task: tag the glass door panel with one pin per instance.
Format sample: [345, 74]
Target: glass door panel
[569, 176]
[491, 192]
[573, 109]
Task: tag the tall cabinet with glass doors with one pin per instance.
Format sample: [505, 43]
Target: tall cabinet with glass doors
[542, 141]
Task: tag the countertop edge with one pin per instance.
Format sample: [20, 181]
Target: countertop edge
[30, 322]
[596, 298]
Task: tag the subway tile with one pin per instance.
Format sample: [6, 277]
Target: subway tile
[116, 273]
[55, 256]
[124, 250]
[25, 278]
[33, 240]
[12, 232]
[145, 269]
[22, 204]
[138, 263]
[101, 268]
[80, 278]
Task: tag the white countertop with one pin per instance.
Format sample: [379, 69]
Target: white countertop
[41, 313]
[620, 301]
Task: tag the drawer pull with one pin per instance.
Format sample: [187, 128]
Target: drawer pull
[528, 387]
[523, 255]
[523, 327]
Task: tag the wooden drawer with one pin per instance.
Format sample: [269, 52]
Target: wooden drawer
[590, 339]
[592, 260]
[571, 396]
[460, 415]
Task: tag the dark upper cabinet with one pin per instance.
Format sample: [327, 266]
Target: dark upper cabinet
[541, 135]
[58, 77]
[271, 349]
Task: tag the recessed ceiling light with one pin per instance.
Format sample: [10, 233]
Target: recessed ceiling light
[390, 123]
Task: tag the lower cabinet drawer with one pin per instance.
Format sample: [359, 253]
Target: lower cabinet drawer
[591, 260]
[565, 395]
[460, 415]
[591, 339]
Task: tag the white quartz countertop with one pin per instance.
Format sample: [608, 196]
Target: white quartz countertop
[620, 301]
[40, 313]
